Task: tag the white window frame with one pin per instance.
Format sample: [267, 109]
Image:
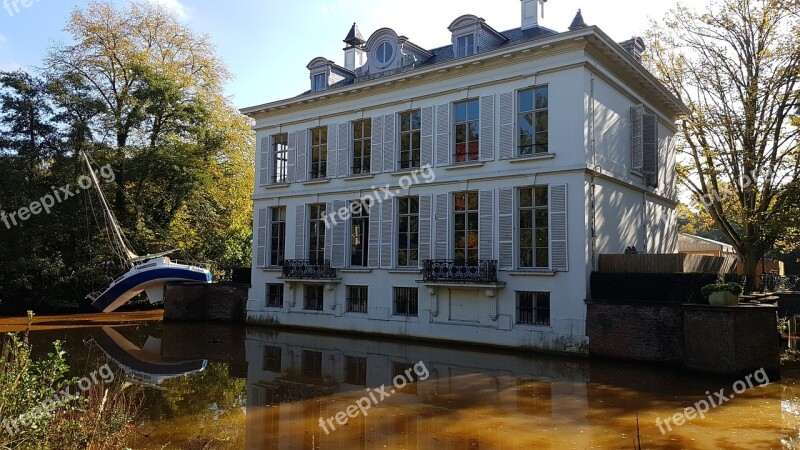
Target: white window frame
[319, 82]
[466, 53]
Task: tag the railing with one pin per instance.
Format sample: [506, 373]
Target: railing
[450, 271]
[772, 282]
[310, 270]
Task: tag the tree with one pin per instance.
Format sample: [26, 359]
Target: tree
[737, 67]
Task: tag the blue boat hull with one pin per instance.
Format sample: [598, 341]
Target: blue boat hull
[135, 284]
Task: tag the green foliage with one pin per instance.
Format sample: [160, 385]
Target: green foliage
[733, 288]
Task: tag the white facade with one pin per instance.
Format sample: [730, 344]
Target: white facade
[598, 170]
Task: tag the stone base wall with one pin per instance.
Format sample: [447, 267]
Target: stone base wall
[206, 302]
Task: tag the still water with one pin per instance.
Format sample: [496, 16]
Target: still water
[257, 388]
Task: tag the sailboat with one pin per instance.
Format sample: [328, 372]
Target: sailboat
[147, 274]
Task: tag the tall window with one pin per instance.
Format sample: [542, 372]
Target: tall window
[533, 121]
[408, 232]
[410, 124]
[280, 157]
[533, 308]
[272, 359]
[311, 364]
[320, 82]
[355, 370]
[314, 297]
[274, 295]
[277, 236]
[465, 46]
[357, 299]
[319, 153]
[406, 301]
[316, 246]
[359, 236]
[362, 146]
[466, 227]
[534, 228]
[467, 130]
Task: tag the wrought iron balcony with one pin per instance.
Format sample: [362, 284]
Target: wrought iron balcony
[308, 270]
[451, 271]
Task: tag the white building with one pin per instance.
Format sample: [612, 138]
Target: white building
[523, 155]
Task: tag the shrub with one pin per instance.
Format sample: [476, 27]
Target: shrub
[733, 288]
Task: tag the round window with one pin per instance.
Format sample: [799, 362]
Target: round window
[384, 53]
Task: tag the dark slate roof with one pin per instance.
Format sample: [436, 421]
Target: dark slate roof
[577, 22]
[354, 37]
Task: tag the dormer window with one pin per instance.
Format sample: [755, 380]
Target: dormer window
[320, 82]
[384, 53]
[465, 46]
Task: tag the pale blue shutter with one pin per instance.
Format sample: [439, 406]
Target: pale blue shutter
[300, 233]
[301, 170]
[339, 237]
[291, 156]
[442, 231]
[650, 149]
[261, 238]
[329, 232]
[374, 236]
[507, 131]
[388, 143]
[443, 135]
[376, 154]
[506, 227]
[344, 144]
[387, 232]
[333, 151]
[487, 128]
[425, 204]
[558, 227]
[637, 137]
[426, 136]
[486, 225]
[264, 162]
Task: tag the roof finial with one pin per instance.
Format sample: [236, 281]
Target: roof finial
[354, 37]
[577, 22]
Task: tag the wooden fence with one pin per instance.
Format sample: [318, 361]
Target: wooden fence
[672, 263]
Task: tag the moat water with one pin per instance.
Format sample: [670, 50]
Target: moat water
[267, 389]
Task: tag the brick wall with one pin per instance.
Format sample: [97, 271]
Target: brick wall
[206, 302]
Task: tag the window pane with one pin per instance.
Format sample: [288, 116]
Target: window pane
[542, 257]
[541, 218]
[461, 112]
[541, 122]
[541, 196]
[473, 112]
[525, 198]
[526, 101]
[416, 120]
[405, 122]
[541, 98]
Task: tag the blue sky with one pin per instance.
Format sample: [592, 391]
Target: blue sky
[267, 44]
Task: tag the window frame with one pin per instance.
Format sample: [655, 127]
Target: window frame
[412, 302]
[280, 153]
[319, 296]
[277, 244]
[318, 86]
[355, 370]
[318, 161]
[358, 303]
[534, 208]
[414, 160]
[316, 232]
[277, 294]
[533, 147]
[387, 61]
[467, 46]
[273, 359]
[535, 310]
[469, 122]
[365, 141]
[468, 214]
[360, 217]
[407, 231]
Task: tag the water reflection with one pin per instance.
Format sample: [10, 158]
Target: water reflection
[268, 390]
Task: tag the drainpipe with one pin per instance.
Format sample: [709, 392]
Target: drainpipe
[592, 187]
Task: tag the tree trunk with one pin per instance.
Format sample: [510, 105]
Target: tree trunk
[749, 261]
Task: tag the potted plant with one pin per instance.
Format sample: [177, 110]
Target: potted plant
[723, 294]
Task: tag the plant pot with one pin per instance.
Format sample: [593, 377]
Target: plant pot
[723, 298]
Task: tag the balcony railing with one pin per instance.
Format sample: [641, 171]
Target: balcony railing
[308, 270]
[450, 271]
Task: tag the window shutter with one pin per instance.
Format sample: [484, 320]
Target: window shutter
[329, 233]
[339, 237]
[443, 135]
[425, 203]
[387, 232]
[344, 145]
[487, 128]
[376, 154]
[301, 169]
[333, 147]
[637, 137]
[486, 225]
[442, 230]
[507, 131]
[388, 143]
[558, 228]
[506, 225]
[264, 168]
[426, 136]
[374, 235]
[650, 149]
[291, 155]
[261, 238]
[300, 233]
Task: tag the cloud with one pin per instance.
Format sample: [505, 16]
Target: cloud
[175, 6]
[2, 38]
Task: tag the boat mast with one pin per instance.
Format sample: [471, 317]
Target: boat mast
[115, 228]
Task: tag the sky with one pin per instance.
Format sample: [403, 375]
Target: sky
[267, 44]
